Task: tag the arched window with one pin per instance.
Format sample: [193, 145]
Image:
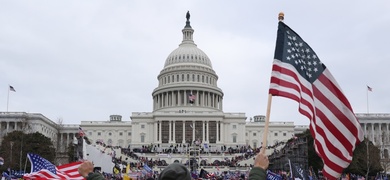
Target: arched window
[234, 138]
[142, 138]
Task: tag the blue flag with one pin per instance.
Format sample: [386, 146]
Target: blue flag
[147, 168]
[273, 176]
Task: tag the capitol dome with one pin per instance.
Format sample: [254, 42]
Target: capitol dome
[188, 53]
[187, 79]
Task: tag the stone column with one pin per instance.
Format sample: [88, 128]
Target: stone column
[159, 100]
[154, 102]
[155, 132]
[203, 132]
[184, 132]
[178, 98]
[215, 101]
[166, 99]
[170, 132]
[207, 132]
[174, 98]
[7, 126]
[218, 140]
[221, 102]
[209, 101]
[160, 133]
[174, 132]
[62, 142]
[204, 98]
[67, 140]
[222, 132]
[185, 97]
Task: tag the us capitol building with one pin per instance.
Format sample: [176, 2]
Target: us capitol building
[187, 107]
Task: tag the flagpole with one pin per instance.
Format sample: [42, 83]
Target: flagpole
[367, 100]
[265, 134]
[268, 113]
[8, 98]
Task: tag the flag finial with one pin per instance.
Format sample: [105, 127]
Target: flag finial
[281, 16]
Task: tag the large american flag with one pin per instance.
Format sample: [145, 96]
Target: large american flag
[41, 169]
[298, 74]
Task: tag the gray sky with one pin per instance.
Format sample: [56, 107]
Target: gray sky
[85, 60]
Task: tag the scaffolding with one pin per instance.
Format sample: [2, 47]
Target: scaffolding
[295, 150]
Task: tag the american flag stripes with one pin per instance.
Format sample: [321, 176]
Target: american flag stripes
[298, 74]
[44, 169]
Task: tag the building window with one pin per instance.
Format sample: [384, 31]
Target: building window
[275, 134]
[90, 133]
[254, 134]
[284, 134]
[234, 138]
[129, 133]
[99, 133]
[109, 134]
[254, 144]
[234, 126]
[246, 134]
[142, 138]
[121, 134]
[142, 126]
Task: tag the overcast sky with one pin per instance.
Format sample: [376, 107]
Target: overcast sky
[85, 60]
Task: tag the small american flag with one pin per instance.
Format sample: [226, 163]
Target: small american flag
[191, 97]
[41, 168]
[11, 88]
[369, 88]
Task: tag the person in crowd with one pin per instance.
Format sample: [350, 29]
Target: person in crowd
[258, 172]
[86, 170]
[175, 171]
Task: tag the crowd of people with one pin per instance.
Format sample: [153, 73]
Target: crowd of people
[177, 171]
[242, 153]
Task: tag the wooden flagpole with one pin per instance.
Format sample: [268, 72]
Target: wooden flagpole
[265, 134]
[268, 113]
